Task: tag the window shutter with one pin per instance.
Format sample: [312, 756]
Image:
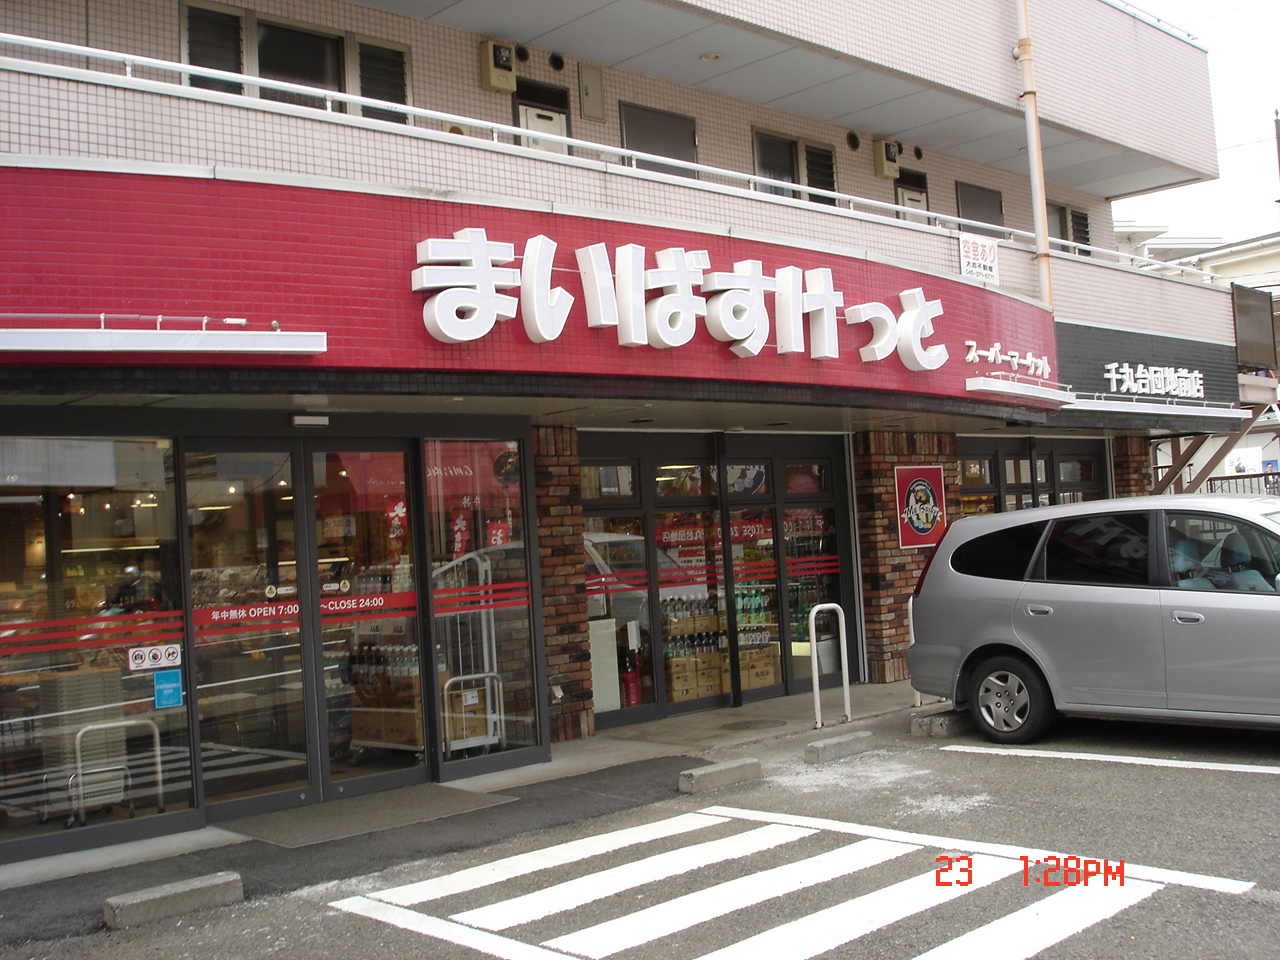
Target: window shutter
[213, 40]
[820, 172]
[382, 77]
[1080, 229]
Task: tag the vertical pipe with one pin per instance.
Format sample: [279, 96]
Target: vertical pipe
[1035, 155]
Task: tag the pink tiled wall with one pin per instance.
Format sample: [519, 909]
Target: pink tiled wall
[58, 117]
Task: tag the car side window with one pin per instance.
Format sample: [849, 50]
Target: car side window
[1210, 552]
[1002, 555]
[1110, 549]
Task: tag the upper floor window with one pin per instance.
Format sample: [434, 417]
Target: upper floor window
[237, 41]
[794, 161]
[982, 204]
[1067, 223]
[661, 133]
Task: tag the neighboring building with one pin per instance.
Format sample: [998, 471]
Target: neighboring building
[1242, 461]
[393, 389]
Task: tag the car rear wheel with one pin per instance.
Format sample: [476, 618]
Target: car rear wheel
[1009, 700]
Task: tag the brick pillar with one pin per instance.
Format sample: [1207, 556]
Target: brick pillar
[562, 564]
[889, 571]
[1131, 466]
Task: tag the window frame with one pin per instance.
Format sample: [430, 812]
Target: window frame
[799, 155]
[624, 106]
[977, 192]
[1062, 218]
[349, 53]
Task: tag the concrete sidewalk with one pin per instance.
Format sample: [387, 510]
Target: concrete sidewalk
[618, 768]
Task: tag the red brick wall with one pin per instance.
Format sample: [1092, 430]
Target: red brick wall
[563, 570]
[1131, 466]
[889, 572]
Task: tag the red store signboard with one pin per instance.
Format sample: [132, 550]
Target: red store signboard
[407, 283]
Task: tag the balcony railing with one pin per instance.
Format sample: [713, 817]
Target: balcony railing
[1259, 483]
[121, 69]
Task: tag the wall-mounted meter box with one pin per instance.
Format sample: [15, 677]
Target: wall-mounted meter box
[498, 66]
[886, 158]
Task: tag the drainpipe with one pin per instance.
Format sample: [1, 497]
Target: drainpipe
[1035, 156]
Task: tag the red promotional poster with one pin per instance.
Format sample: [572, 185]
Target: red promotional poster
[922, 516]
[497, 533]
[460, 530]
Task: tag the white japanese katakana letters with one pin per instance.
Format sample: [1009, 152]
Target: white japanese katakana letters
[914, 324]
[469, 271]
[671, 319]
[737, 313]
[905, 333]
[469, 303]
[615, 301]
[544, 310]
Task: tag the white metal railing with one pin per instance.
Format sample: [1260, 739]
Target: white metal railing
[747, 183]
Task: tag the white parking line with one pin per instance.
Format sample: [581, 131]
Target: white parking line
[596, 886]
[1116, 758]
[519, 865]
[1024, 933]
[681, 913]
[830, 928]
[1134, 870]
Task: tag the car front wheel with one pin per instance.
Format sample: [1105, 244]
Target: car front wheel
[1009, 700]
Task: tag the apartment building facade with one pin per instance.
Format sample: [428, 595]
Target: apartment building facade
[393, 389]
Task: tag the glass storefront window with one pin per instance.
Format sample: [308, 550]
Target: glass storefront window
[803, 478]
[755, 585]
[813, 577]
[480, 586]
[976, 473]
[1076, 470]
[748, 479]
[373, 717]
[248, 643]
[686, 480]
[694, 625]
[1024, 501]
[621, 635]
[970, 505]
[614, 481]
[93, 717]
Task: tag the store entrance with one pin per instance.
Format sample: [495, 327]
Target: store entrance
[1013, 473]
[307, 654]
[705, 555]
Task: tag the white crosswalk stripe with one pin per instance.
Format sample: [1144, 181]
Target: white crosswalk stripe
[663, 919]
[835, 926]
[1026, 932]
[550, 888]
[597, 886]
[560, 855]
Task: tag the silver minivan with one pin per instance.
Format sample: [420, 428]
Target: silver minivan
[1146, 608]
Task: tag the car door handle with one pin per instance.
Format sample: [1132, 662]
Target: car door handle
[1187, 616]
[1039, 610]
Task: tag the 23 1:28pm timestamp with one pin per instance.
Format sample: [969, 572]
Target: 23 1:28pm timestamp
[1056, 872]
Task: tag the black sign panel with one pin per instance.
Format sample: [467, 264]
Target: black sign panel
[1143, 366]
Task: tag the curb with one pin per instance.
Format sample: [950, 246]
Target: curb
[172, 900]
[716, 775]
